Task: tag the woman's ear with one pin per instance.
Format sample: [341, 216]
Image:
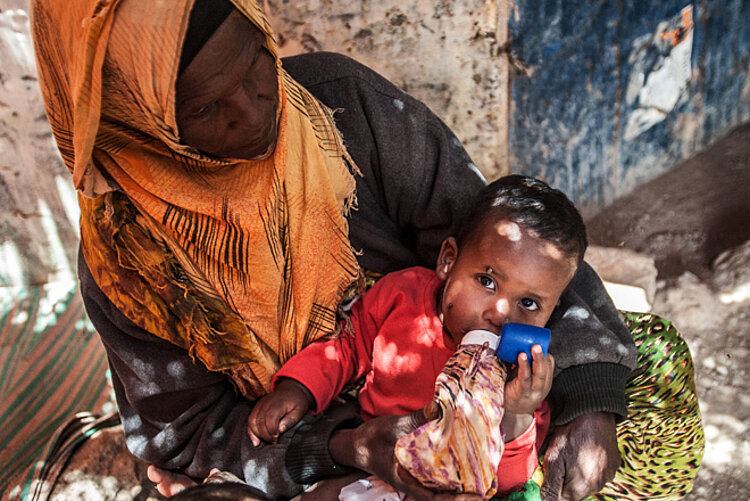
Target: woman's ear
[446, 258]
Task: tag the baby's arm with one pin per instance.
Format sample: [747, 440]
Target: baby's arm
[526, 391]
[278, 411]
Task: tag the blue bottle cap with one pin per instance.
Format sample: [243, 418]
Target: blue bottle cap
[519, 338]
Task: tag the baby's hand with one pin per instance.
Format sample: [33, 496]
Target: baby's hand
[524, 393]
[278, 411]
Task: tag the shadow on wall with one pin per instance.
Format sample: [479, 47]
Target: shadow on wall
[38, 208]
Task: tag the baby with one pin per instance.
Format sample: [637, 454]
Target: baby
[515, 255]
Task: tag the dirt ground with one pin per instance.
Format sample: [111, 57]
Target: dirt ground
[695, 222]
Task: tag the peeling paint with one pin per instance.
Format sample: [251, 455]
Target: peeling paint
[623, 91]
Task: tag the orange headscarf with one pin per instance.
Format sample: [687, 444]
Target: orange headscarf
[240, 262]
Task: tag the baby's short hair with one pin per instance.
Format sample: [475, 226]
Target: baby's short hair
[531, 204]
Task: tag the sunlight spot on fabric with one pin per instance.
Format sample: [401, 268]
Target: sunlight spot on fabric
[21, 317]
[145, 369]
[605, 341]
[165, 438]
[622, 350]
[399, 361]
[586, 355]
[399, 104]
[176, 369]
[260, 475]
[132, 423]
[137, 444]
[330, 353]
[600, 301]
[577, 313]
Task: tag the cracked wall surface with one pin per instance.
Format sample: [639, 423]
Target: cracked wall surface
[451, 55]
[608, 95]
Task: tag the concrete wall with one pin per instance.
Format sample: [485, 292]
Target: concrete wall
[38, 211]
[607, 95]
[449, 54]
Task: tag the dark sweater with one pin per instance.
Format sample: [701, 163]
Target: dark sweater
[413, 193]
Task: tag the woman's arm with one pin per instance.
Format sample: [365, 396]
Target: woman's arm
[594, 351]
[178, 415]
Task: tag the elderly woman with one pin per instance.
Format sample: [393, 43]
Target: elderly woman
[218, 235]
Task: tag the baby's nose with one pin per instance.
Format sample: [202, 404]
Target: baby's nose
[497, 313]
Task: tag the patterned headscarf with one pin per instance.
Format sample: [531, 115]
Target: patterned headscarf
[242, 263]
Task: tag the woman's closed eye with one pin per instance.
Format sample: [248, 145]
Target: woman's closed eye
[204, 111]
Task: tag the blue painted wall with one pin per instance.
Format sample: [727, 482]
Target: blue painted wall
[600, 101]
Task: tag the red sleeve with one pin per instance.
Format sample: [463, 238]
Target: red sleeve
[521, 455]
[326, 367]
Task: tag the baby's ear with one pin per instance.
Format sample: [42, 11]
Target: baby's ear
[446, 258]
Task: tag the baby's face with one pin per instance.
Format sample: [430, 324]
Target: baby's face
[504, 274]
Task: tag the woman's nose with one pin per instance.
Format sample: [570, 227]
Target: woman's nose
[243, 111]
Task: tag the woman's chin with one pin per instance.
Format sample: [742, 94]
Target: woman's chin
[254, 152]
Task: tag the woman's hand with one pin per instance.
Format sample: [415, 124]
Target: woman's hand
[370, 448]
[525, 392]
[582, 456]
[278, 411]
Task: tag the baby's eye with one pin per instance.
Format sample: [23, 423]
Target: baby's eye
[486, 282]
[529, 304]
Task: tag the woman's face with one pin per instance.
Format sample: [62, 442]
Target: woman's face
[226, 97]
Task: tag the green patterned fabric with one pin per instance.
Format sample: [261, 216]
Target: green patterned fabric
[52, 366]
[661, 441]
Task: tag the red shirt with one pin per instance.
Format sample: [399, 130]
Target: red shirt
[399, 346]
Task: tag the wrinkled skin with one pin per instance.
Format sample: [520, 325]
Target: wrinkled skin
[582, 456]
[227, 96]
